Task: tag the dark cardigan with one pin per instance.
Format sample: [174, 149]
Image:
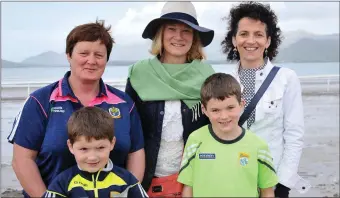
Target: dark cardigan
[151, 114]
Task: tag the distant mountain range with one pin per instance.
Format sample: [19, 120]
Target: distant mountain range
[297, 46]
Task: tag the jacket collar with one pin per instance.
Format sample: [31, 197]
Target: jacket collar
[63, 92]
[102, 172]
[260, 74]
[65, 87]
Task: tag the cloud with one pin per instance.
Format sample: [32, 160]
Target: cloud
[210, 14]
[309, 10]
[129, 29]
[39, 34]
[316, 26]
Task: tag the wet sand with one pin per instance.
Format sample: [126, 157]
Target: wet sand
[320, 159]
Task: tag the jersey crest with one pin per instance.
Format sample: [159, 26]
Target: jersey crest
[115, 112]
[244, 158]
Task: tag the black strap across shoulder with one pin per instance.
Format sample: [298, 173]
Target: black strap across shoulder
[250, 108]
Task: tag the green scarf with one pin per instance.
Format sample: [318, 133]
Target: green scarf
[153, 80]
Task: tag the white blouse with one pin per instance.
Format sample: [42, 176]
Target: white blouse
[171, 147]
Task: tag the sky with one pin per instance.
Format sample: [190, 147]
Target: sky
[31, 28]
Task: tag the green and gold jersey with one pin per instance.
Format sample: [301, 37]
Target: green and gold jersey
[221, 168]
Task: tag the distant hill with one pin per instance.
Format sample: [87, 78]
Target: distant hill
[47, 58]
[297, 46]
[131, 52]
[11, 64]
[311, 50]
[294, 36]
[5, 63]
[121, 63]
[120, 55]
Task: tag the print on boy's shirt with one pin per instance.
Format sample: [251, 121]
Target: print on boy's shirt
[207, 156]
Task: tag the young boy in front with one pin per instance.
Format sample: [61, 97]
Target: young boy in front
[222, 159]
[91, 138]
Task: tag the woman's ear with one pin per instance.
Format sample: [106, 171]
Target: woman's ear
[113, 142]
[242, 103]
[234, 41]
[268, 42]
[203, 109]
[68, 56]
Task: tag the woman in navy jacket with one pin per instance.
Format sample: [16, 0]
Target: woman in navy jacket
[166, 88]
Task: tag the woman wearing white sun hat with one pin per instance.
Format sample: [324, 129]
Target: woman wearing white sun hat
[166, 88]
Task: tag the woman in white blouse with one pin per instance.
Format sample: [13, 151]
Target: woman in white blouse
[252, 39]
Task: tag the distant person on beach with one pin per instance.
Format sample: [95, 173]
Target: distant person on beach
[91, 138]
[223, 159]
[166, 88]
[253, 39]
[39, 132]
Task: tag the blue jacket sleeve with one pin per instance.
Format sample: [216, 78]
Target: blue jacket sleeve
[58, 187]
[29, 125]
[137, 191]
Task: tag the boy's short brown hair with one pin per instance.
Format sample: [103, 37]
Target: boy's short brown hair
[90, 32]
[219, 86]
[90, 122]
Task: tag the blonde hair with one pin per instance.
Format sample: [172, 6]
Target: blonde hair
[195, 52]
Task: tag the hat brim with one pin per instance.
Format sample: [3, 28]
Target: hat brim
[206, 35]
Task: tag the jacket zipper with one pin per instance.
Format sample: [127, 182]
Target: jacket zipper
[95, 186]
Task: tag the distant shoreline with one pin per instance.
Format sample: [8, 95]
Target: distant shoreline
[311, 86]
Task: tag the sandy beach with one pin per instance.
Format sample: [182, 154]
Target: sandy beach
[320, 159]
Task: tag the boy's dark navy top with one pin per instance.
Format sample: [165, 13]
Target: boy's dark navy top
[111, 181]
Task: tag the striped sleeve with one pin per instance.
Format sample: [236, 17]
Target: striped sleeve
[29, 125]
[188, 160]
[137, 191]
[58, 187]
[266, 171]
[52, 194]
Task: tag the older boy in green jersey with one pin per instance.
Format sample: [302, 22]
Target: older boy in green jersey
[222, 159]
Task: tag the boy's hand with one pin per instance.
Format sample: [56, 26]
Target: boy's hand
[187, 191]
[267, 192]
[281, 191]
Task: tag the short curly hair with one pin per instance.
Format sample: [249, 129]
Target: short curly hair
[257, 11]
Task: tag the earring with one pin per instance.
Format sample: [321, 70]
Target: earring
[265, 52]
[235, 53]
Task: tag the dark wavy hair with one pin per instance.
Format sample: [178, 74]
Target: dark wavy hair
[257, 11]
